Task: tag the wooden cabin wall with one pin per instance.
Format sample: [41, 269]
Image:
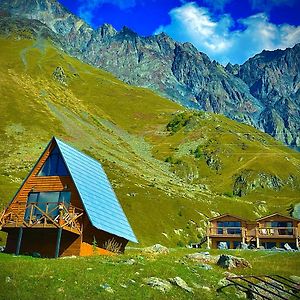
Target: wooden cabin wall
[47, 184]
[90, 232]
[89, 250]
[43, 241]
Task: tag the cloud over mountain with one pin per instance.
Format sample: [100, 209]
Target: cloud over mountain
[225, 40]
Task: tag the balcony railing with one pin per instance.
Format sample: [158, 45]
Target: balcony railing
[42, 215]
[226, 231]
[279, 232]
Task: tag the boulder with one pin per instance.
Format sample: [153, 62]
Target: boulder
[230, 262]
[202, 257]
[157, 249]
[158, 284]
[181, 283]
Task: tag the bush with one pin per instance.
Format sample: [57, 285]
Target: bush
[113, 246]
[228, 194]
[180, 244]
[178, 122]
[198, 152]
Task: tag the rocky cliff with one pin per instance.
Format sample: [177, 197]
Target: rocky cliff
[264, 92]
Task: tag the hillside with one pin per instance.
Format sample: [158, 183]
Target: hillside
[263, 92]
[171, 168]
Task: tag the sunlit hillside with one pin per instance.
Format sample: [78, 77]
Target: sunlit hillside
[171, 168]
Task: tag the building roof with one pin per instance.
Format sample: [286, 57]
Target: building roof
[225, 215]
[277, 214]
[97, 195]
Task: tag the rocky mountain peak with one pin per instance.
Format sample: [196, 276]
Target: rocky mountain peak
[107, 30]
[127, 32]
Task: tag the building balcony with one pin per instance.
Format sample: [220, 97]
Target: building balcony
[42, 215]
[277, 232]
[226, 232]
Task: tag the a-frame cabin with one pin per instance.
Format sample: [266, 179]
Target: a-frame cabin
[66, 206]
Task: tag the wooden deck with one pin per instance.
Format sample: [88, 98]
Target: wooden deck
[277, 232]
[46, 215]
[265, 232]
[226, 232]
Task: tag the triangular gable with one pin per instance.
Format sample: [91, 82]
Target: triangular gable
[277, 214]
[97, 195]
[54, 164]
[30, 173]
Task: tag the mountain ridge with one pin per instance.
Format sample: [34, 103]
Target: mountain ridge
[179, 71]
[172, 165]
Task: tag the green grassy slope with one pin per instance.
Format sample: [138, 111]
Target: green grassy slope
[82, 278]
[166, 177]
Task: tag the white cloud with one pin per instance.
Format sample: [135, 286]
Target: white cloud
[86, 8]
[194, 24]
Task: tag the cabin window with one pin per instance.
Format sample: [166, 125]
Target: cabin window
[54, 165]
[228, 226]
[47, 202]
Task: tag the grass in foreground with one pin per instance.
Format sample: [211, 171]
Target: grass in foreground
[81, 278]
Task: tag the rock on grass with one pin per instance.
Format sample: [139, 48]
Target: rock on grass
[158, 284]
[230, 262]
[202, 257]
[157, 249]
[181, 283]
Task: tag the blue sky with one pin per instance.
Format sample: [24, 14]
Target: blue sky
[226, 30]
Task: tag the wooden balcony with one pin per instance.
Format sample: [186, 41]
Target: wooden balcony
[277, 232]
[226, 232]
[45, 215]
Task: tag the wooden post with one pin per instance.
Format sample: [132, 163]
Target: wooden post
[57, 248]
[243, 235]
[297, 238]
[208, 242]
[257, 238]
[19, 241]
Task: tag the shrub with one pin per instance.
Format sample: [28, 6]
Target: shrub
[180, 244]
[95, 245]
[178, 122]
[228, 194]
[198, 152]
[112, 245]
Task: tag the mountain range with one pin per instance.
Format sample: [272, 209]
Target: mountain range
[171, 167]
[263, 92]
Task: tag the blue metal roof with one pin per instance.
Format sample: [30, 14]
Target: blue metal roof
[99, 200]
